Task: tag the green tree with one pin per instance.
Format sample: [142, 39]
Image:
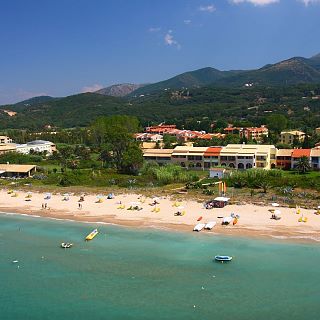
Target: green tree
[116, 132]
[277, 122]
[132, 159]
[303, 164]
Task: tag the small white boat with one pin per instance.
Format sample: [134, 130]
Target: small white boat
[66, 245]
[199, 227]
[209, 225]
[15, 261]
[223, 258]
[227, 220]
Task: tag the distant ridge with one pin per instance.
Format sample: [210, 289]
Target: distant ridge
[292, 71]
[119, 90]
[35, 100]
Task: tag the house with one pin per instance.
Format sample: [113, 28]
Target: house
[217, 173]
[211, 157]
[288, 137]
[161, 128]
[161, 156]
[284, 158]
[5, 140]
[153, 137]
[297, 154]
[5, 148]
[247, 156]
[315, 159]
[250, 133]
[254, 133]
[17, 170]
[36, 146]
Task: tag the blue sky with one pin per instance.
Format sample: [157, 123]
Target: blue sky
[62, 47]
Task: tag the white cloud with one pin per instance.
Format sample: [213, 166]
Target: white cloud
[170, 41]
[256, 2]
[209, 8]
[307, 2]
[93, 88]
[186, 21]
[152, 29]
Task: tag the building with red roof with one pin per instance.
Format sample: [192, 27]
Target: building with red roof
[297, 154]
[211, 157]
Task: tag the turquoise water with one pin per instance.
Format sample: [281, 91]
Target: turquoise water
[147, 274]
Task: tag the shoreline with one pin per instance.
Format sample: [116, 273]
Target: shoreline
[254, 220]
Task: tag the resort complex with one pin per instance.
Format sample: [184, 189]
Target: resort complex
[234, 156]
[36, 146]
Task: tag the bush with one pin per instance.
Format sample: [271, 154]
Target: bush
[167, 174]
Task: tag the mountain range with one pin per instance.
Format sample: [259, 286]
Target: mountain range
[211, 93]
[293, 71]
[119, 90]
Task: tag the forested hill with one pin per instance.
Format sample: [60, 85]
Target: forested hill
[292, 71]
[195, 108]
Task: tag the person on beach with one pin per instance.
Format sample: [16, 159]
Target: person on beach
[45, 205]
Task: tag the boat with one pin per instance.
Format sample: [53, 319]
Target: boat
[227, 220]
[223, 258]
[199, 227]
[92, 234]
[200, 218]
[66, 245]
[209, 225]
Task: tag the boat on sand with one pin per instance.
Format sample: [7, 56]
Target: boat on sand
[209, 225]
[199, 227]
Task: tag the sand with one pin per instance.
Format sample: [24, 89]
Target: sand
[254, 220]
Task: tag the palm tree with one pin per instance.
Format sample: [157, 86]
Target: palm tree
[303, 164]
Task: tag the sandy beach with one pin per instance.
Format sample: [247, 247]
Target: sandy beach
[254, 220]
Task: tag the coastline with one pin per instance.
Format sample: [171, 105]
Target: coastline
[254, 220]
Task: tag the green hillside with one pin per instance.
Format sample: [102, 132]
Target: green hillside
[193, 108]
[293, 71]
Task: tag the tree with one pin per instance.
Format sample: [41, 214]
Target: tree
[132, 159]
[117, 133]
[169, 141]
[277, 122]
[303, 164]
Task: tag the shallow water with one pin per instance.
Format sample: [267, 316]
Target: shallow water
[126, 273]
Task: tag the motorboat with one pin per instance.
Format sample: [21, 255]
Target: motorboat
[209, 225]
[223, 258]
[66, 245]
[199, 227]
[227, 220]
[92, 234]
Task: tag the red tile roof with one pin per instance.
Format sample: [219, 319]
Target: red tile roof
[213, 151]
[298, 153]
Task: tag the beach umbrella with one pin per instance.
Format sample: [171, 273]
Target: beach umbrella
[277, 212]
[275, 204]
[66, 194]
[180, 208]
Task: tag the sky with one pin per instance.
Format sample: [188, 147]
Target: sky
[64, 47]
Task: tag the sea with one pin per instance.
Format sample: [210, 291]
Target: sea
[132, 273]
